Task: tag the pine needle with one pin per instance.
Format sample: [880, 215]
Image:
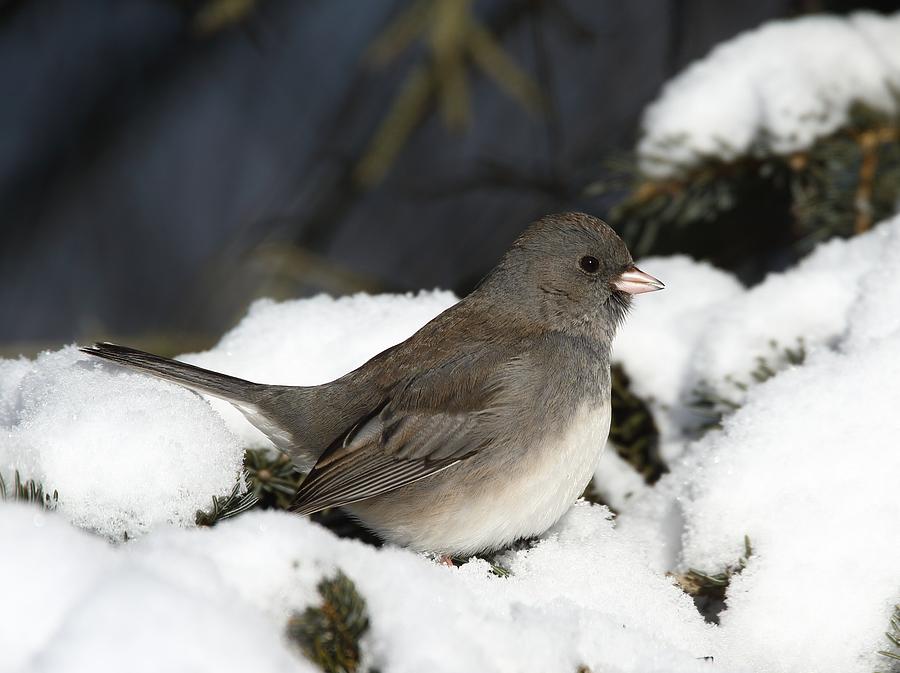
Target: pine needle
[329, 635]
[225, 508]
[28, 491]
[713, 406]
[893, 636]
[633, 431]
[840, 186]
[707, 589]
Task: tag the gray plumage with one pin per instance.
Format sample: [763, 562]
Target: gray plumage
[481, 428]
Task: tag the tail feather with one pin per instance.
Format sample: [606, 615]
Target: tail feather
[299, 420]
[202, 380]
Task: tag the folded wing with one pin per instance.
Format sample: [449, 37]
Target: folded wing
[427, 424]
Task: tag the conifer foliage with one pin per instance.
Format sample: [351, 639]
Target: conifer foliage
[840, 186]
[781, 137]
[329, 634]
[27, 491]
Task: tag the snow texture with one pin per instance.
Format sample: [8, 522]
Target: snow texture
[706, 332]
[823, 528]
[807, 468]
[218, 599]
[776, 89]
[806, 306]
[657, 343]
[124, 451]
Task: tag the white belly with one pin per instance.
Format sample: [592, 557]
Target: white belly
[531, 500]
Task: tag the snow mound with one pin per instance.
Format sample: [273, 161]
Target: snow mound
[806, 467]
[807, 470]
[218, 599]
[807, 306]
[822, 524]
[776, 89]
[706, 332]
[875, 313]
[125, 451]
[663, 329]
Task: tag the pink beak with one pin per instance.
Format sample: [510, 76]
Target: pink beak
[635, 281]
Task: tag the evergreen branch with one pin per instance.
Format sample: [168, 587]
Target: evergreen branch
[633, 431]
[329, 635]
[893, 636]
[707, 589]
[869, 142]
[28, 491]
[713, 405]
[208, 17]
[839, 186]
[225, 508]
[272, 480]
[497, 569]
[447, 38]
[272, 477]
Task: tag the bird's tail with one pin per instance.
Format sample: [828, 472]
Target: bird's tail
[285, 414]
[229, 388]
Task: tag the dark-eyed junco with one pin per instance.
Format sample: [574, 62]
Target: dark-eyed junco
[481, 428]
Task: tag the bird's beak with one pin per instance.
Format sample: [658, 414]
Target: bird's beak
[635, 281]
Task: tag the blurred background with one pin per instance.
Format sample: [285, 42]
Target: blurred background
[165, 162]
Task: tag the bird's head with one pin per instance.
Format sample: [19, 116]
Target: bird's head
[571, 272]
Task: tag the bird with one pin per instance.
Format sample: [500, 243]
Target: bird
[480, 429]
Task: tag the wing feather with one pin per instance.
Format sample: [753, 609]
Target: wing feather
[435, 421]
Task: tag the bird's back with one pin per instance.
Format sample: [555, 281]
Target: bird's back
[453, 353]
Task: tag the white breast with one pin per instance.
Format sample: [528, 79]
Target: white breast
[535, 497]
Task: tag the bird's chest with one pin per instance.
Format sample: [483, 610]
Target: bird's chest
[559, 469]
[530, 493]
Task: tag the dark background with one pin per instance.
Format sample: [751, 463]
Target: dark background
[159, 169]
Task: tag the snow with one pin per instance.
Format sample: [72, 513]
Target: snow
[874, 313]
[776, 89]
[821, 529]
[38, 589]
[616, 482]
[663, 330]
[806, 468]
[808, 304]
[82, 605]
[124, 451]
[707, 331]
[218, 599]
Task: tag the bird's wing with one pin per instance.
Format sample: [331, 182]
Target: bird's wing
[427, 424]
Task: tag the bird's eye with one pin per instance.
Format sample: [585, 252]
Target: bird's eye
[589, 264]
